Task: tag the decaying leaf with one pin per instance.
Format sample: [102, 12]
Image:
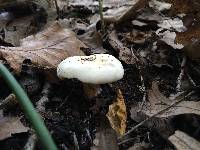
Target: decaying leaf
[93, 40]
[157, 103]
[184, 6]
[186, 37]
[125, 54]
[192, 49]
[136, 37]
[117, 114]
[140, 146]
[9, 126]
[129, 14]
[169, 38]
[159, 6]
[183, 141]
[105, 138]
[45, 50]
[19, 29]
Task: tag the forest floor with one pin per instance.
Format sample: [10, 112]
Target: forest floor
[155, 105]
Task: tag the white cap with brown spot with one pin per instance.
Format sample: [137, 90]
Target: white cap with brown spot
[94, 69]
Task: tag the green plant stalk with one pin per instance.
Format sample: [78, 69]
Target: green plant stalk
[101, 16]
[32, 115]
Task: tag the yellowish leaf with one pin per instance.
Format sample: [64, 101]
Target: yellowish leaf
[117, 114]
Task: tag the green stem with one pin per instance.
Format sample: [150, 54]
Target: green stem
[101, 16]
[29, 110]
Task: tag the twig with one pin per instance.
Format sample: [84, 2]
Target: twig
[31, 143]
[64, 147]
[125, 141]
[75, 141]
[40, 105]
[130, 14]
[181, 75]
[101, 16]
[158, 113]
[57, 9]
[89, 135]
[9, 101]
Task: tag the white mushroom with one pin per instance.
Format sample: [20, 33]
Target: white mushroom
[94, 69]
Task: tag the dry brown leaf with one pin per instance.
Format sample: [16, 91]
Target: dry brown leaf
[182, 141]
[159, 102]
[129, 14]
[117, 114]
[184, 6]
[125, 54]
[45, 50]
[19, 29]
[136, 37]
[140, 146]
[105, 137]
[186, 37]
[93, 40]
[9, 126]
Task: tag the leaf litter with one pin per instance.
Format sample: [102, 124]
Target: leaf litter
[155, 41]
[45, 50]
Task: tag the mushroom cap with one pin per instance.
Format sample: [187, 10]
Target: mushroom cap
[95, 69]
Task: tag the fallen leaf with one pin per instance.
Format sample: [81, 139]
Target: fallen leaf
[117, 114]
[45, 50]
[129, 14]
[93, 40]
[159, 6]
[19, 29]
[140, 146]
[46, 4]
[192, 50]
[184, 6]
[9, 126]
[183, 141]
[108, 4]
[105, 137]
[125, 54]
[175, 23]
[157, 103]
[169, 38]
[188, 36]
[136, 37]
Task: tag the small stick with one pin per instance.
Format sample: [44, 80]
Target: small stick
[31, 143]
[9, 101]
[89, 135]
[76, 141]
[57, 9]
[40, 105]
[101, 16]
[181, 75]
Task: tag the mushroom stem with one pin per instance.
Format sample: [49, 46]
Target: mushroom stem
[91, 90]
